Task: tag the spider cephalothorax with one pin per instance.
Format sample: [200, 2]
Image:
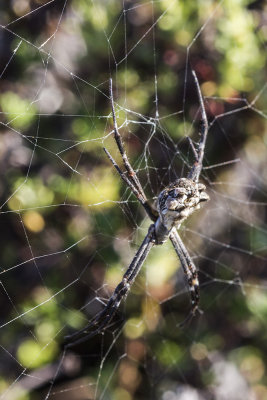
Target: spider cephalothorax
[176, 202]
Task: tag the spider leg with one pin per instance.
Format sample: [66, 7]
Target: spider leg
[136, 192]
[197, 167]
[189, 268]
[131, 179]
[192, 147]
[101, 321]
[131, 174]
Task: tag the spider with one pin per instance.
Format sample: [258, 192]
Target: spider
[175, 204]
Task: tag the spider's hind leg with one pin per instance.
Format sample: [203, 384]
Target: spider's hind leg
[129, 176]
[197, 167]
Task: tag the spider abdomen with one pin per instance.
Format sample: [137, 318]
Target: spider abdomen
[176, 203]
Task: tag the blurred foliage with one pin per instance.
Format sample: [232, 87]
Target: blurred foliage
[17, 110]
[68, 224]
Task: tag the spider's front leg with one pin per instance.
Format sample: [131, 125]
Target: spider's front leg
[101, 321]
[189, 269]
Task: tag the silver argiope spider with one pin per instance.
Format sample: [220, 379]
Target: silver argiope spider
[174, 205]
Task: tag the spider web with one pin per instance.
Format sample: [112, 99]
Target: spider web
[70, 227]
